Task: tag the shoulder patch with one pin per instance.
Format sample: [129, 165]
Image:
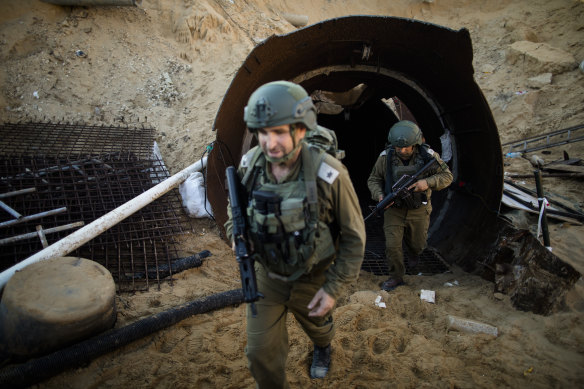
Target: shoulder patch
[248, 157]
[384, 152]
[430, 151]
[327, 173]
[245, 161]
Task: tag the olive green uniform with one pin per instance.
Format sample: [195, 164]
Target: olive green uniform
[289, 287]
[403, 224]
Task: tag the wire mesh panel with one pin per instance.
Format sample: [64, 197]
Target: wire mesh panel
[429, 261]
[57, 175]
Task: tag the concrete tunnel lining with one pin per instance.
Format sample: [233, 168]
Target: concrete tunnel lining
[427, 66]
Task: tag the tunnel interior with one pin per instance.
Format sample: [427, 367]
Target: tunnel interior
[355, 68]
[362, 123]
[360, 131]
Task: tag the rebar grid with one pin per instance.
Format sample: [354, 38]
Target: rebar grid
[429, 261]
[90, 171]
[67, 140]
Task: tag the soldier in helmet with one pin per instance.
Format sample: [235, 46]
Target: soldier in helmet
[305, 226]
[406, 221]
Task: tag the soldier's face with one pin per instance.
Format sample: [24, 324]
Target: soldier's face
[404, 152]
[276, 141]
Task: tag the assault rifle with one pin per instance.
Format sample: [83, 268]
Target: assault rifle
[246, 269]
[399, 190]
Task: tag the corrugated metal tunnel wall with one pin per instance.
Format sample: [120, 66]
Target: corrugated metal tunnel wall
[428, 67]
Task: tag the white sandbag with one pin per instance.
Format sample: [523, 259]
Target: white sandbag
[192, 191]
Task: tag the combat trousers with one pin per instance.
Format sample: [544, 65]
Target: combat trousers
[267, 335]
[404, 225]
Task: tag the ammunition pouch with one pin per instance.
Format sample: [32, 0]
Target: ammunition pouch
[288, 236]
[280, 228]
[269, 224]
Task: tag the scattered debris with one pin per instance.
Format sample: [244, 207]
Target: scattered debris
[565, 168]
[536, 161]
[31, 235]
[379, 303]
[471, 326]
[535, 279]
[515, 154]
[555, 138]
[428, 295]
[518, 197]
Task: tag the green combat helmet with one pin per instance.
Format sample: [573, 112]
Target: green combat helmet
[283, 102]
[404, 133]
[277, 103]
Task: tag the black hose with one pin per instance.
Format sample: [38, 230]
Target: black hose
[177, 266]
[39, 369]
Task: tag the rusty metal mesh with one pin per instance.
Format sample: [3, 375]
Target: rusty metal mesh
[429, 262]
[89, 170]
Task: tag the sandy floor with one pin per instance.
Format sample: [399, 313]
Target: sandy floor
[130, 53]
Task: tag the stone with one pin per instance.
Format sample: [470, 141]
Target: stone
[536, 58]
[540, 81]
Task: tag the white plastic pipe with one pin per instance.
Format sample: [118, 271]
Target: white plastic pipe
[98, 226]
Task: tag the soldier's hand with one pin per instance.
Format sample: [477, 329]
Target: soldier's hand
[380, 198]
[321, 304]
[419, 186]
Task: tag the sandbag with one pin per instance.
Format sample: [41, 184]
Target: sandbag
[194, 198]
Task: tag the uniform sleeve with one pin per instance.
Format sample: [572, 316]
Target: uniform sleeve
[376, 180]
[351, 248]
[442, 177]
[229, 223]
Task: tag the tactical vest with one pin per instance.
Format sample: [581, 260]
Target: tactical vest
[394, 171]
[288, 235]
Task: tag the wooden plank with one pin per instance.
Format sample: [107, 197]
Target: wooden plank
[570, 161]
[565, 168]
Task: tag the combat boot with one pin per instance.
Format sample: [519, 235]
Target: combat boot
[321, 361]
[392, 283]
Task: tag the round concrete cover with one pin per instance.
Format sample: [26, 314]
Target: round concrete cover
[54, 303]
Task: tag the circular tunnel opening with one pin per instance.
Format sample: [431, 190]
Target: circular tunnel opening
[361, 116]
[364, 73]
